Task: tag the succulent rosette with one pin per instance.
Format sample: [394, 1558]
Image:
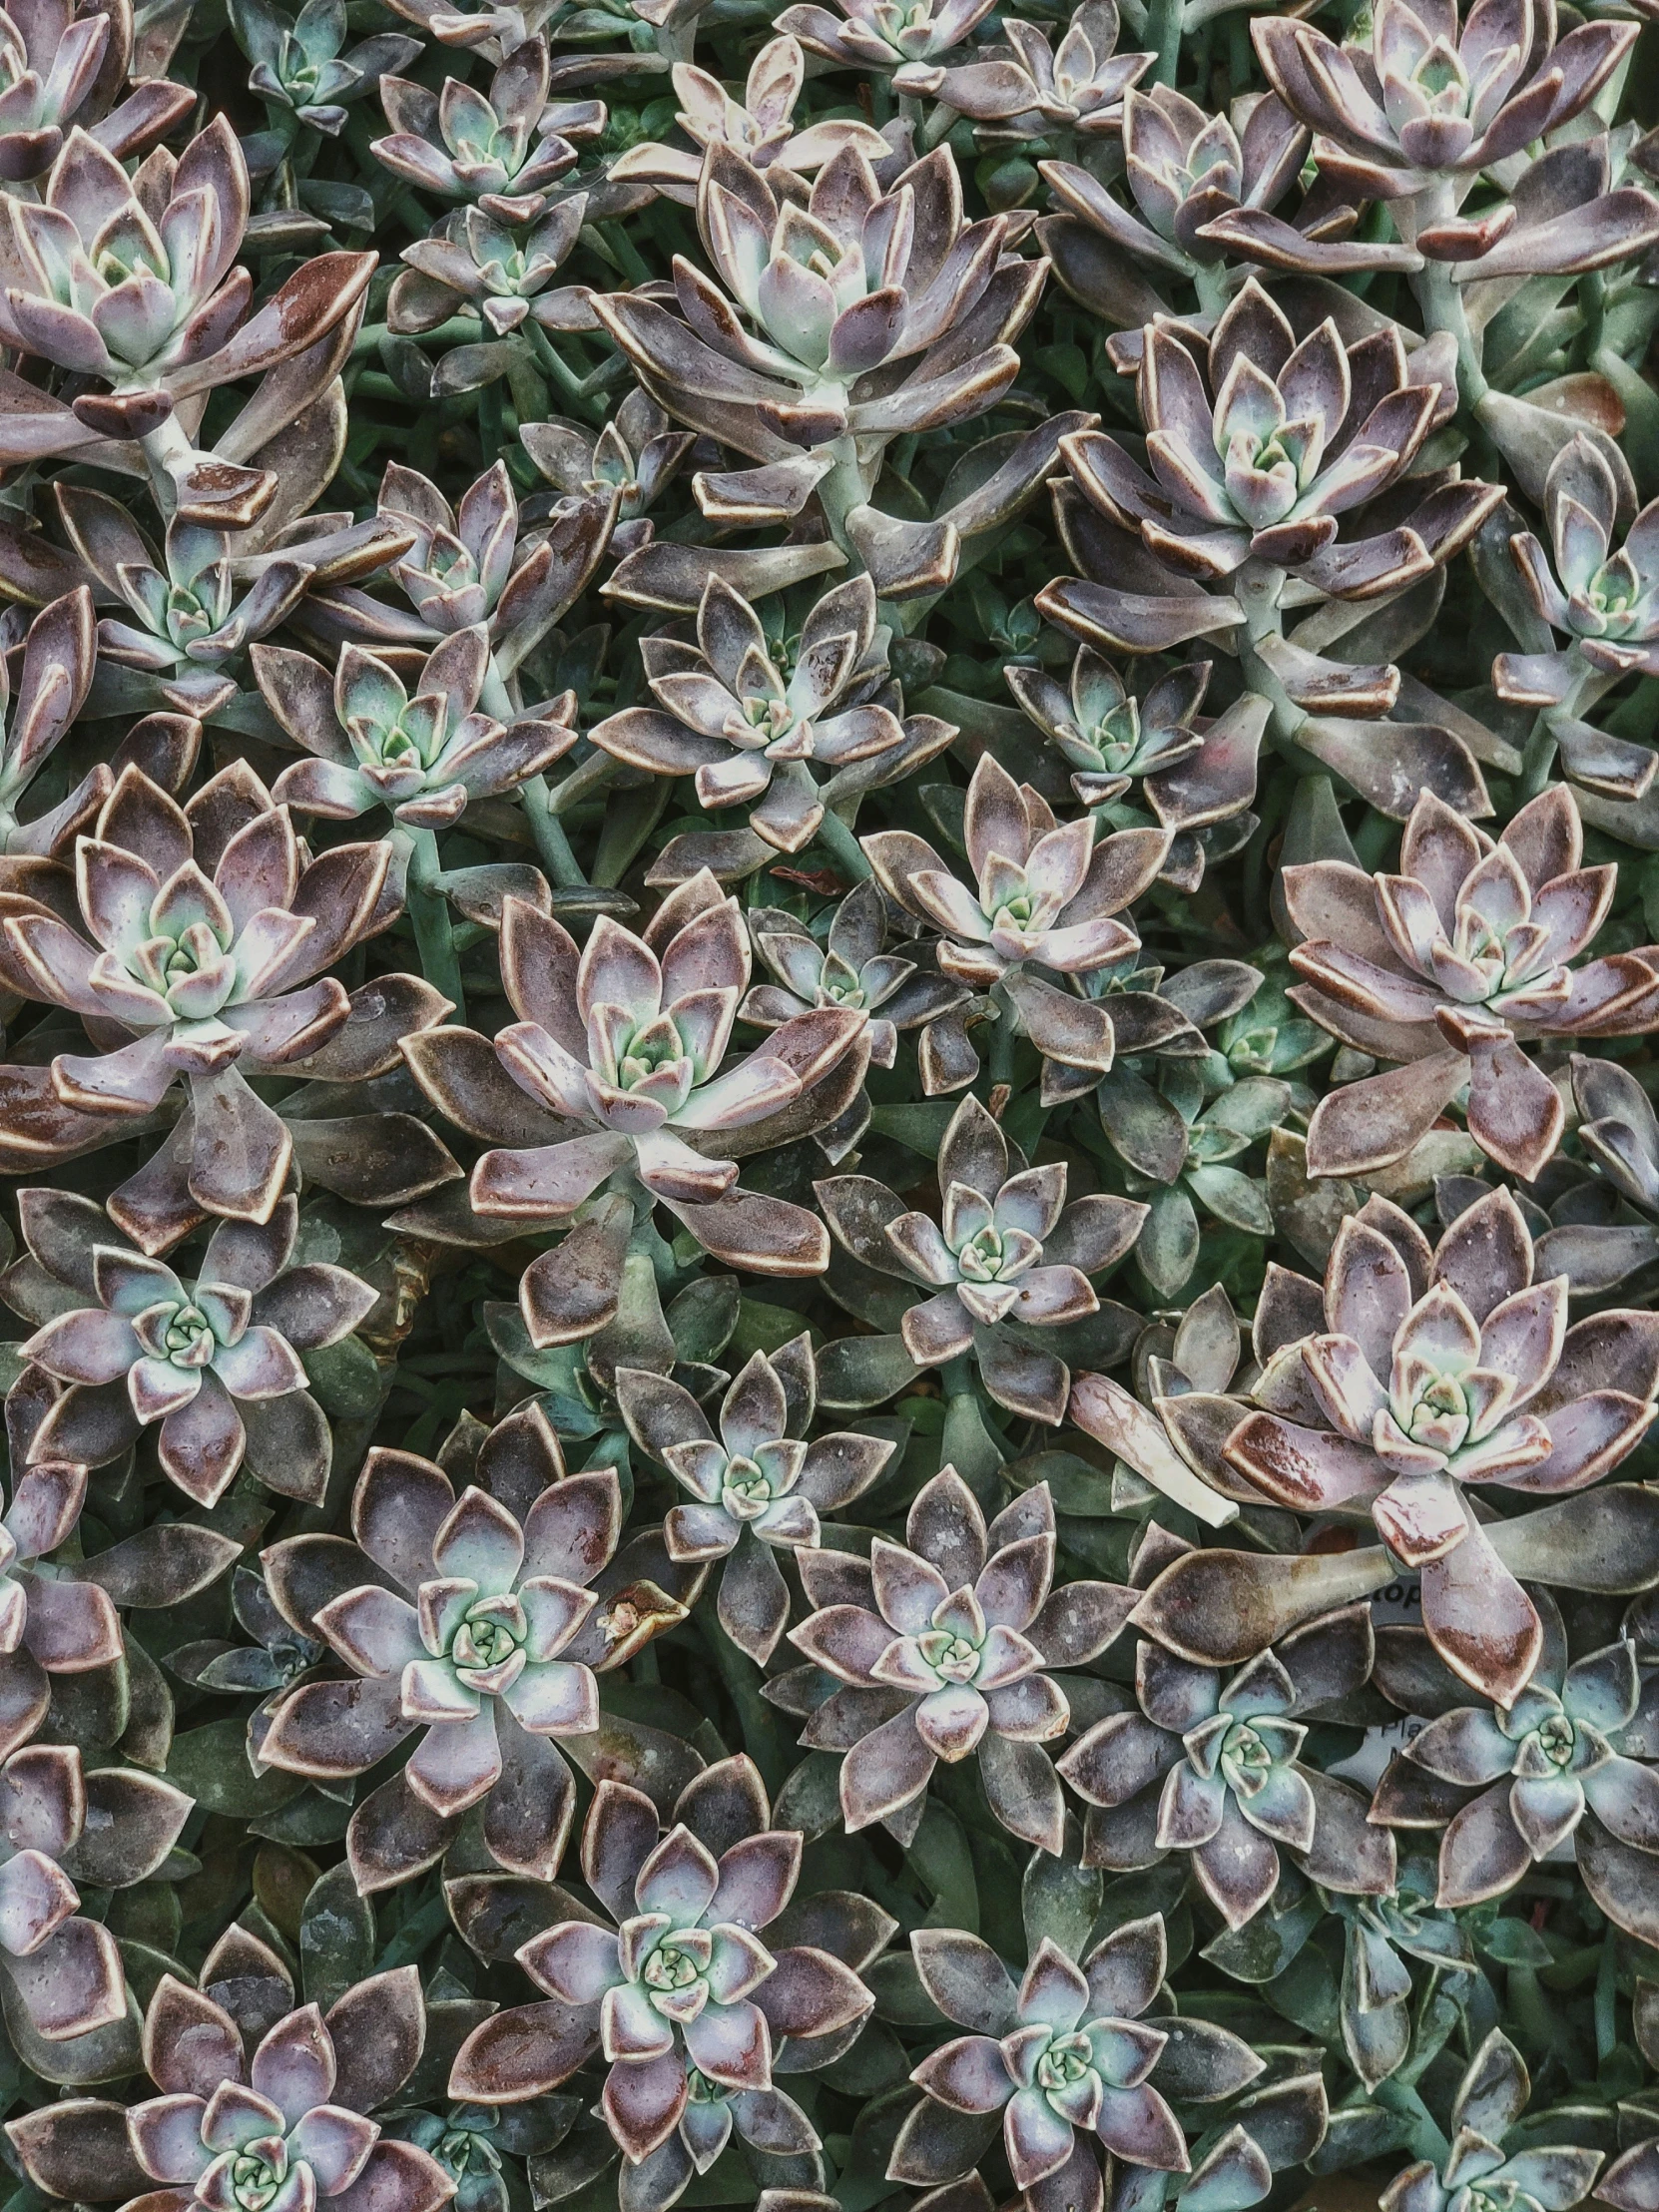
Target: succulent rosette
[1429, 94]
[1258, 445]
[760, 127]
[622, 1044]
[422, 756]
[1437, 1368]
[1046, 902]
[635, 457]
[829, 309]
[213, 1360]
[757, 1487]
[678, 1985]
[1007, 1262]
[1521, 1776]
[466, 564]
[1038, 89]
[880, 35]
[503, 149]
[1193, 774]
[1489, 2156]
[1448, 968]
[196, 977]
[189, 611]
[1601, 601]
[938, 1649]
[727, 715]
[1183, 166]
[284, 2121]
[1068, 2055]
[1208, 1766]
[303, 63]
[488, 1656]
[850, 966]
[164, 317]
[60, 69]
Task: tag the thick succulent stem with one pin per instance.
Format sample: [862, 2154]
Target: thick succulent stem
[429, 914]
[1538, 755]
[1163, 31]
[839, 492]
[838, 840]
[1440, 299]
[552, 844]
[1257, 587]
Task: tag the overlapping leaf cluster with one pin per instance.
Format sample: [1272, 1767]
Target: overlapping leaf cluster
[829, 876]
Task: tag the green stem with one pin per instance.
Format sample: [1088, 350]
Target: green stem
[577, 396]
[836, 836]
[626, 252]
[583, 782]
[1428, 2141]
[838, 493]
[552, 844]
[1210, 285]
[1258, 588]
[1537, 757]
[1440, 299]
[429, 913]
[1529, 2008]
[1163, 26]
[1002, 1041]
[489, 422]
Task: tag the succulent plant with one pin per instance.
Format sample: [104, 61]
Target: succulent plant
[1209, 1767]
[939, 1647]
[158, 318]
[287, 2122]
[1183, 168]
[681, 1987]
[880, 36]
[206, 975]
[636, 454]
[1437, 1368]
[851, 966]
[1077, 84]
[1599, 600]
[501, 151]
[1007, 1262]
[490, 1654]
[301, 63]
[62, 70]
[421, 756]
[756, 1486]
[1068, 2054]
[833, 1179]
[729, 717]
[1490, 2099]
[1447, 968]
[821, 337]
[1522, 1775]
[186, 624]
[1047, 897]
[624, 1042]
[760, 127]
[213, 1360]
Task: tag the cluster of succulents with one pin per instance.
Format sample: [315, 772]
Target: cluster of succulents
[829, 1153]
